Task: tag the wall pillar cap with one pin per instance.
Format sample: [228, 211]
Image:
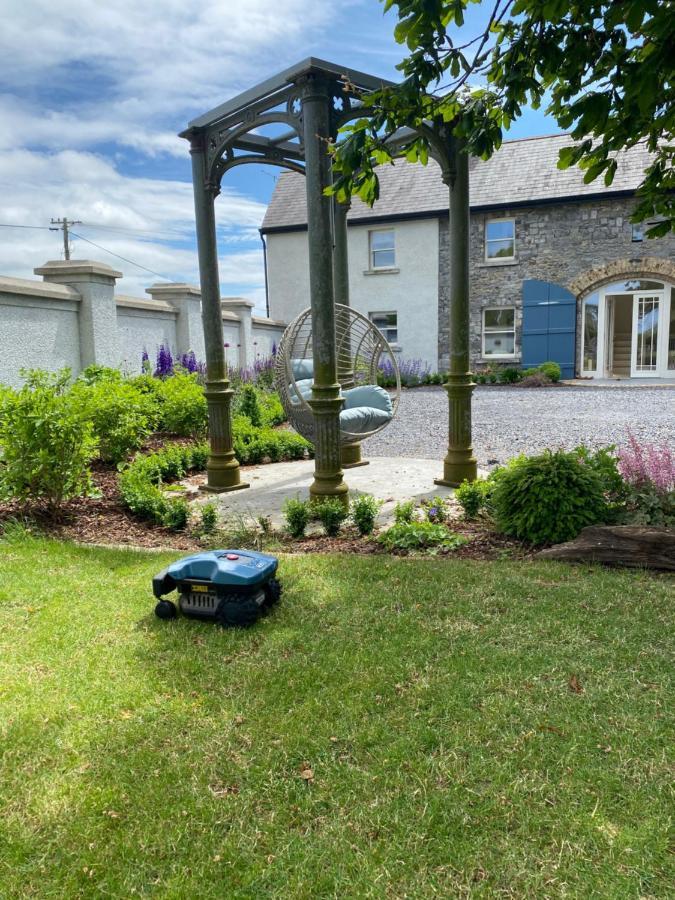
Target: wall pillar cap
[173, 288]
[236, 303]
[64, 269]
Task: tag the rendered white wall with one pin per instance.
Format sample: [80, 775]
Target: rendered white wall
[41, 334]
[411, 292]
[264, 337]
[53, 324]
[141, 330]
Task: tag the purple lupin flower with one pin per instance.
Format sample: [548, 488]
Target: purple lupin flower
[164, 365]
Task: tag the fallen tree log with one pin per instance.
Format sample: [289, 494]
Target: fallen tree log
[619, 545]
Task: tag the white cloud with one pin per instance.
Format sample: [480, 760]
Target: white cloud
[149, 221]
[78, 77]
[158, 63]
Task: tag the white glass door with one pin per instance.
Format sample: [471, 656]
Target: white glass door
[645, 349]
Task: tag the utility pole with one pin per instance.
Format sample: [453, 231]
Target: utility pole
[62, 225]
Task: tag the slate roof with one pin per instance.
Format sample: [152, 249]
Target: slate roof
[521, 172]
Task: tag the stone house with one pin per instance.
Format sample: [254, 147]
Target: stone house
[557, 270]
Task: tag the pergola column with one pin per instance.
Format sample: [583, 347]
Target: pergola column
[459, 462]
[326, 402]
[350, 454]
[222, 468]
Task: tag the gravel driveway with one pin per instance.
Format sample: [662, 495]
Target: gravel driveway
[508, 421]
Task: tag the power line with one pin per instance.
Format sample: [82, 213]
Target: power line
[124, 258]
[157, 234]
[36, 227]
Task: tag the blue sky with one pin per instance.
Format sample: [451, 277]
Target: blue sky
[92, 97]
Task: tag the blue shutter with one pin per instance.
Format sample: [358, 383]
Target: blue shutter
[549, 325]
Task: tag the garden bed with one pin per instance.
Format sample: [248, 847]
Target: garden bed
[105, 521]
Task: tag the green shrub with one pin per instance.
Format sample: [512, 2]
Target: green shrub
[472, 496]
[140, 484]
[261, 407]
[551, 370]
[182, 408]
[249, 405]
[46, 441]
[492, 378]
[296, 514]
[270, 407]
[420, 536]
[331, 513]
[605, 464]
[535, 379]
[364, 510]
[253, 445]
[404, 511]
[122, 415]
[645, 504]
[480, 378]
[209, 514]
[510, 375]
[94, 374]
[548, 499]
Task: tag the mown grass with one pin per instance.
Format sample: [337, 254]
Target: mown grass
[397, 728]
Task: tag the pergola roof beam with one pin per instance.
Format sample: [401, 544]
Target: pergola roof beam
[276, 84]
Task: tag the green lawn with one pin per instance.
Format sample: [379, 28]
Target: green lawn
[427, 702]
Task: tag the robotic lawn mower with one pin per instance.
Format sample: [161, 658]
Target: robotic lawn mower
[231, 587]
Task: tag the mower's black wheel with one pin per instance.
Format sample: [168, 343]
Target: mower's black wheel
[272, 593]
[238, 609]
[165, 609]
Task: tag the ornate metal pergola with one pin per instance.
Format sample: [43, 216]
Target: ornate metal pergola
[313, 99]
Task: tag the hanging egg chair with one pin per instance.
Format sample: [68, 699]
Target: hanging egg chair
[361, 352]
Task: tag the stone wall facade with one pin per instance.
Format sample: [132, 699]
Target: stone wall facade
[578, 245]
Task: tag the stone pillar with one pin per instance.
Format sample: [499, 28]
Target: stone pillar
[243, 310]
[459, 462]
[326, 402]
[222, 468]
[350, 454]
[95, 283]
[186, 300]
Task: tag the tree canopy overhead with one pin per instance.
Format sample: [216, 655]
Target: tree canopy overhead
[604, 70]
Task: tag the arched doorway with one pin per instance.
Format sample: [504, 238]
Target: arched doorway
[628, 329]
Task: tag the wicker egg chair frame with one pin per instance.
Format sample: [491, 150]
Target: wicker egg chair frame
[360, 348]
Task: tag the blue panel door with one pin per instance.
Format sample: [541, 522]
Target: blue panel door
[549, 325]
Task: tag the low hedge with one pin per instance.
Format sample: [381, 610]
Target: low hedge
[253, 445]
[141, 483]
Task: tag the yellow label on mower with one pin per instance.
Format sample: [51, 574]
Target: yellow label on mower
[199, 588]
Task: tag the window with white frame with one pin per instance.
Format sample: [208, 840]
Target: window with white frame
[500, 240]
[499, 331]
[387, 322]
[382, 249]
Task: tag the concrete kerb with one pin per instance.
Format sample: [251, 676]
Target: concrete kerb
[391, 480]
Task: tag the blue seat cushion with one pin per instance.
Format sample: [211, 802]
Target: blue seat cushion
[302, 369]
[302, 388]
[362, 419]
[371, 395]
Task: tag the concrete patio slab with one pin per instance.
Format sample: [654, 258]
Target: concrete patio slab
[389, 479]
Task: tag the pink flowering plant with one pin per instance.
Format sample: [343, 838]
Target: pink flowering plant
[648, 470]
